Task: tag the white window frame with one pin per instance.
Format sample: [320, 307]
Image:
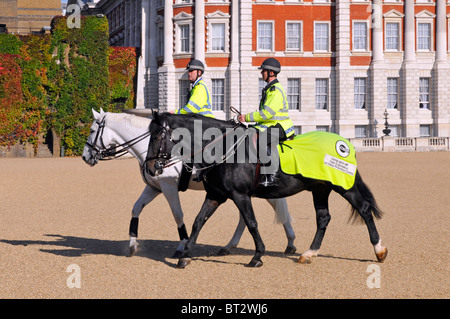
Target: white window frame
[358, 94]
[425, 17]
[393, 16]
[183, 89]
[391, 92]
[366, 48]
[323, 128]
[328, 23]
[423, 127]
[215, 94]
[397, 49]
[425, 93]
[361, 131]
[183, 19]
[320, 94]
[300, 44]
[258, 44]
[291, 94]
[218, 17]
[429, 36]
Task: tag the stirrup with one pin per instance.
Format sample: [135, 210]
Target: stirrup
[268, 180]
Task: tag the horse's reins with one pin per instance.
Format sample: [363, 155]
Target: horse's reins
[162, 154]
[113, 152]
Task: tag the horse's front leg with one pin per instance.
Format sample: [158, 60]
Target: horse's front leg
[170, 191]
[243, 202]
[208, 208]
[146, 197]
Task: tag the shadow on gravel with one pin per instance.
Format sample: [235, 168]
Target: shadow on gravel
[155, 249]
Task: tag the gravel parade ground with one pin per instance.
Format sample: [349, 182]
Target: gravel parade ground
[64, 234]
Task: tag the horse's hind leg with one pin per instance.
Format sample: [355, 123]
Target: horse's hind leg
[365, 207]
[235, 239]
[282, 215]
[320, 196]
[146, 197]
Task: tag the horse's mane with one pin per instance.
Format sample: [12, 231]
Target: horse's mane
[130, 119]
[206, 121]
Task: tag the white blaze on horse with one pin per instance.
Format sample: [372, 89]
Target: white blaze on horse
[115, 134]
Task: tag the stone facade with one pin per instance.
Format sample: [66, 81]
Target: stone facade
[416, 69]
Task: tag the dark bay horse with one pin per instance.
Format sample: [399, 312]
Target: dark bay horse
[235, 179]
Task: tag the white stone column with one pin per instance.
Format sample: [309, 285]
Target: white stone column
[199, 30]
[441, 75]
[409, 25]
[234, 82]
[344, 77]
[409, 77]
[166, 73]
[441, 41]
[377, 26]
[377, 80]
[168, 33]
[248, 87]
[143, 59]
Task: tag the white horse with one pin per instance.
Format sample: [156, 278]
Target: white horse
[118, 133]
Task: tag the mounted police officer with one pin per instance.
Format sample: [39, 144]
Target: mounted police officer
[272, 113]
[199, 99]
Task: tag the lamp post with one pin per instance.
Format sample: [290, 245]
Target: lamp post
[386, 131]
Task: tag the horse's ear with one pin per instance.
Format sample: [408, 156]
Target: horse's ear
[96, 114]
[101, 111]
[155, 116]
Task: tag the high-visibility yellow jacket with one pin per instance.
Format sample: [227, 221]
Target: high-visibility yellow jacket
[273, 109]
[199, 101]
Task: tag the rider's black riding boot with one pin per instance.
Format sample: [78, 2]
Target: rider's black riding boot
[268, 180]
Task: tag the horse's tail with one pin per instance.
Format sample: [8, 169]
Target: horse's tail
[280, 207]
[368, 197]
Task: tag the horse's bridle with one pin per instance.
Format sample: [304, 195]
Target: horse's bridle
[162, 157]
[164, 160]
[112, 152]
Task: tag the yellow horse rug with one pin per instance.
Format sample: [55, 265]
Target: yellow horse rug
[320, 155]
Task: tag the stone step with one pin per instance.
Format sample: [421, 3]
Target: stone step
[43, 151]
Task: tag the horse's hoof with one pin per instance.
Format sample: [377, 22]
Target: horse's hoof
[183, 262]
[254, 263]
[223, 252]
[177, 254]
[381, 256]
[304, 260]
[133, 250]
[290, 250]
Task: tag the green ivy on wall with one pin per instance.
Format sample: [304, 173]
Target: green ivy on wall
[53, 82]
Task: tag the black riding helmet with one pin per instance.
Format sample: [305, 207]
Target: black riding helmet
[271, 64]
[195, 65]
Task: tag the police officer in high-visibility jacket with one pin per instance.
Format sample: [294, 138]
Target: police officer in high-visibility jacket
[199, 99]
[272, 113]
